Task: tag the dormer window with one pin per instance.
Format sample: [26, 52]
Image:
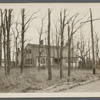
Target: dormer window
[28, 51]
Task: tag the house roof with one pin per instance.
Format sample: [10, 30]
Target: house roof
[53, 50]
[42, 46]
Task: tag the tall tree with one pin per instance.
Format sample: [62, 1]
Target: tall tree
[57, 44]
[24, 26]
[97, 51]
[4, 40]
[1, 41]
[92, 39]
[72, 51]
[49, 56]
[69, 51]
[8, 16]
[74, 26]
[22, 39]
[16, 36]
[62, 26]
[40, 41]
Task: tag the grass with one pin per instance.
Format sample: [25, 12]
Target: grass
[32, 79]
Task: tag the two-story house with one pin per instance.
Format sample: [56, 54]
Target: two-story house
[31, 56]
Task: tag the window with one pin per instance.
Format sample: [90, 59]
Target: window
[56, 60]
[29, 51]
[28, 61]
[43, 61]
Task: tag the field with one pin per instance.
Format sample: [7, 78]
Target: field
[32, 80]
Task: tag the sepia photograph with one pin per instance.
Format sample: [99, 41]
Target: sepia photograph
[50, 48]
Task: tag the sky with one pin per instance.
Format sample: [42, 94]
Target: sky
[42, 10]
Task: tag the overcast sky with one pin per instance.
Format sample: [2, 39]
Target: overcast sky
[82, 8]
[43, 8]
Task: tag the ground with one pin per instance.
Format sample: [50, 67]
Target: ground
[91, 87]
[32, 80]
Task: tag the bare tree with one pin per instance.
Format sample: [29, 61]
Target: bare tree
[81, 49]
[40, 41]
[22, 39]
[57, 44]
[69, 50]
[8, 16]
[89, 50]
[49, 56]
[16, 36]
[74, 26]
[72, 50]
[1, 40]
[62, 27]
[97, 51]
[92, 39]
[84, 53]
[25, 25]
[4, 40]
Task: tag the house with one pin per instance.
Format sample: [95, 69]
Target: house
[31, 56]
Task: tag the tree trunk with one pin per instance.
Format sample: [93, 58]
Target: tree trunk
[8, 53]
[61, 49]
[22, 40]
[1, 38]
[72, 53]
[4, 42]
[57, 48]
[92, 38]
[8, 25]
[61, 57]
[39, 54]
[49, 56]
[16, 53]
[69, 51]
[5, 61]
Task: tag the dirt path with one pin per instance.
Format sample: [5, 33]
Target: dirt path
[91, 87]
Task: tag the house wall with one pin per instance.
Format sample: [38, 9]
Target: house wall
[44, 61]
[73, 64]
[35, 54]
[29, 59]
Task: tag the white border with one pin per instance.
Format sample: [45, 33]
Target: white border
[45, 95]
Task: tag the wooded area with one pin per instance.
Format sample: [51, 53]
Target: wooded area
[59, 36]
